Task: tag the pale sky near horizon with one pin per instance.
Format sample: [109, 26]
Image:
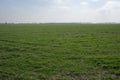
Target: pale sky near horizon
[43, 11]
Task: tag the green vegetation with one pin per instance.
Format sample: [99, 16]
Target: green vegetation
[59, 51]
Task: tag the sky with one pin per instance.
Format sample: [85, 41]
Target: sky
[55, 11]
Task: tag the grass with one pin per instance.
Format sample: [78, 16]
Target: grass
[59, 51]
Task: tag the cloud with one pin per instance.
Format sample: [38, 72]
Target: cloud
[111, 5]
[84, 3]
[60, 10]
[95, 0]
[66, 8]
[59, 1]
[109, 12]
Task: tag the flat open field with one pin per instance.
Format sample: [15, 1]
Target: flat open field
[59, 51]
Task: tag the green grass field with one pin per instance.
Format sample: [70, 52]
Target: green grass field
[59, 51]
